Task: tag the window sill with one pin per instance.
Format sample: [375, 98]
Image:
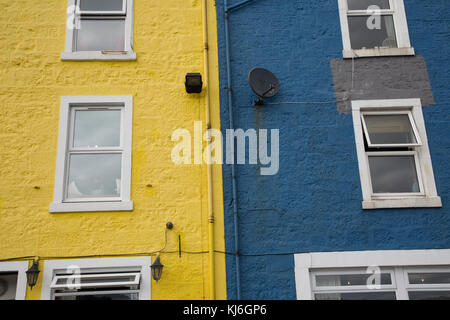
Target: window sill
[431, 202]
[98, 56]
[378, 52]
[90, 206]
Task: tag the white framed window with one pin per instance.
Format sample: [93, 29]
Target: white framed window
[97, 279]
[374, 28]
[93, 168]
[393, 155]
[99, 30]
[373, 275]
[13, 280]
[427, 283]
[352, 284]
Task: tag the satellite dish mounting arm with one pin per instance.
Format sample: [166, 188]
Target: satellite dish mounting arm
[260, 101]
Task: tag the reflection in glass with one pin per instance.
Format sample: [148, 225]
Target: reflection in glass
[110, 296]
[429, 278]
[101, 5]
[97, 128]
[429, 295]
[363, 37]
[365, 4]
[356, 296]
[349, 280]
[390, 129]
[394, 174]
[94, 175]
[99, 279]
[101, 34]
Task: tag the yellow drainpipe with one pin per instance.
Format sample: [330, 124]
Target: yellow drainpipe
[212, 280]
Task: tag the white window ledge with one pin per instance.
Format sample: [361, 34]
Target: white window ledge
[378, 52]
[429, 202]
[91, 206]
[98, 55]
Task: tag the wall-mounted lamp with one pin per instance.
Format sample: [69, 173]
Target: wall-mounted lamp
[157, 269]
[32, 274]
[194, 83]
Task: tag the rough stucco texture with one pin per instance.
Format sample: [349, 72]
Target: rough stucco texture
[168, 42]
[314, 202]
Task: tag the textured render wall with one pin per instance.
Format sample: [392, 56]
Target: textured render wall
[168, 42]
[314, 202]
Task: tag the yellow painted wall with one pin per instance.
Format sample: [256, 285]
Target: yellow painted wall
[168, 42]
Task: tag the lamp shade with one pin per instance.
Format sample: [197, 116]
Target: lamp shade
[157, 269]
[32, 274]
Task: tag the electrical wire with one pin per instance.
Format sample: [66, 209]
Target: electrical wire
[18, 258]
[296, 102]
[149, 254]
[304, 102]
[156, 252]
[93, 255]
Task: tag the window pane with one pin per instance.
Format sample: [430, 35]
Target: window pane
[429, 278]
[97, 128]
[8, 284]
[382, 35]
[118, 296]
[394, 174]
[364, 4]
[356, 296]
[101, 34]
[99, 279]
[390, 129]
[94, 175]
[101, 5]
[350, 280]
[429, 295]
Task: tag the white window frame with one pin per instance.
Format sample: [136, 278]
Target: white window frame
[71, 54]
[306, 264]
[397, 195]
[426, 286]
[397, 10]
[123, 11]
[411, 121]
[355, 288]
[122, 264]
[71, 281]
[21, 268]
[427, 197]
[123, 203]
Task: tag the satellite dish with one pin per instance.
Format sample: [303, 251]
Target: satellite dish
[264, 83]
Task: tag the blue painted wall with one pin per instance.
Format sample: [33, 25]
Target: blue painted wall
[314, 202]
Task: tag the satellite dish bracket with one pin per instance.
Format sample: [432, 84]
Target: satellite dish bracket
[258, 102]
